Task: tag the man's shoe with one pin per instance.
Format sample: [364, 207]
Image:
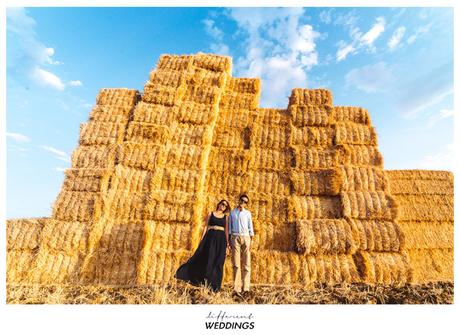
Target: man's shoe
[237, 294]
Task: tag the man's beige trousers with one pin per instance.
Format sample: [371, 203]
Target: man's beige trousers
[241, 259]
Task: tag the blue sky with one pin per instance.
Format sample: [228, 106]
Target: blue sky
[396, 62]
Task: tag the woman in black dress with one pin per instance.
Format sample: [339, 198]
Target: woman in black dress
[206, 266]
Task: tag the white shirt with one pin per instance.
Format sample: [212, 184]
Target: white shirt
[240, 222]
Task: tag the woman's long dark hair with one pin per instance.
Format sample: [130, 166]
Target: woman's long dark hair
[224, 202]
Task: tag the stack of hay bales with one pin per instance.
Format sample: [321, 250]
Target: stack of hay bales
[79, 205]
[23, 240]
[426, 217]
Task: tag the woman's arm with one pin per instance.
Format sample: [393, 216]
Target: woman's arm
[226, 230]
[206, 221]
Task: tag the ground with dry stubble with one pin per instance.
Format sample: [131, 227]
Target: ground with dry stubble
[436, 293]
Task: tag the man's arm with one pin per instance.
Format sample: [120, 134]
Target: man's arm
[251, 227]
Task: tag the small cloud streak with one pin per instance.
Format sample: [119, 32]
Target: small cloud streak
[396, 38]
[56, 153]
[47, 78]
[370, 78]
[18, 137]
[443, 160]
[75, 83]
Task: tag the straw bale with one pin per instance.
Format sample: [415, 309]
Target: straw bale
[352, 133]
[208, 95]
[268, 209]
[273, 236]
[420, 175]
[315, 158]
[302, 116]
[316, 182]
[213, 62]
[190, 134]
[316, 97]
[173, 179]
[236, 118]
[312, 136]
[369, 205]
[170, 206]
[377, 235]
[328, 269]
[268, 136]
[229, 137]
[174, 62]
[427, 234]
[159, 267]
[360, 155]
[110, 113]
[274, 267]
[171, 78]
[162, 95]
[155, 114]
[66, 236]
[90, 180]
[383, 267]
[125, 205]
[351, 114]
[94, 157]
[24, 234]
[244, 85]
[431, 265]
[229, 160]
[203, 77]
[141, 132]
[237, 100]
[222, 183]
[117, 96]
[167, 236]
[196, 113]
[421, 186]
[325, 236]
[425, 207]
[101, 133]
[274, 116]
[186, 156]
[56, 267]
[268, 182]
[270, 159]
[314, 207]
[18, 265]
[77, 206]
[142, 155]
[364, 178]
[131, 180]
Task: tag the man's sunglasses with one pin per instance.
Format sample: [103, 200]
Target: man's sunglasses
[243, 201]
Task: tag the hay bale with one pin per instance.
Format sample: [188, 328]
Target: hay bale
[173, 62]
[196, 113]
[274, 116]
[167, 236]
[315, 158]
[420, 175]
[131, 180]
[18, 265]
[229, 160]
[272, 137]
[77, 206]
[101, 133]
[190, 134]
[110, 113]
[171, 78]
[369, 205]
[328, 269]
[267, 182]
[351, 114]
[24, 234]
[316, 182]
[270, 159]
[155, 114]
[408, 185]
[141, 132]
[377, 235]
[208, 95]
[431, 265]
[237, 100]
[360, 155]
[203, 77]
[425, 207]
[352, 133]
[218, 182]
[94, 157]
[314, 207]
[316, 116]
[274, 267]
[312, 136]
[170, 206]
[172, 179]
[428, 234]
[383, 267]
[268, 209]
[186, 156]
[213, 62]
[89, 180]
[159, 267]
[125, 205]
[230, 138]
[118, 97]
[363, 178]
[65, 236]
[162, 95]
[55, 267]
[244, 85]
[325, 236]
[236, 118]
[145, 156]
[317, 97]
[273, 236]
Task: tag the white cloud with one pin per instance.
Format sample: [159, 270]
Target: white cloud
[60, 169]
[75, 83]
[377, 29]
[370, 78]
[343, 51]
[18, 137]
[46, 78]
[218, 47]
[396, 37]
[443, 114]
[443, 160]
[326, 16]
[57, 153]
[419, 32]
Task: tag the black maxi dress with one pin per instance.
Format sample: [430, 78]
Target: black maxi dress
[206, 266]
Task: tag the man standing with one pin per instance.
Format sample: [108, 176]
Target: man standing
[241, 232]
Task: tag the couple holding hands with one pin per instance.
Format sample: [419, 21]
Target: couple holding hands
[223, 231]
